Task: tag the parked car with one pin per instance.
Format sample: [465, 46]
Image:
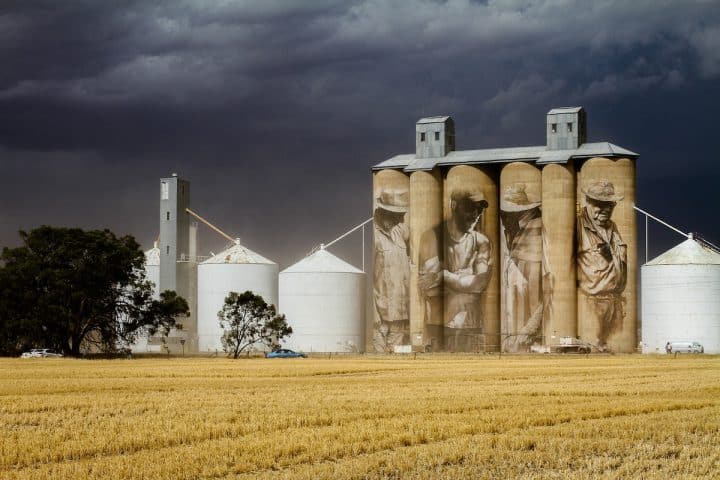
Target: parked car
[686, 347]
[285, 353]
[41, 353]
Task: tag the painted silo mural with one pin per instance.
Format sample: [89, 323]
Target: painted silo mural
[391, 261]
[526, 283]
[470, 314]
[513, 249]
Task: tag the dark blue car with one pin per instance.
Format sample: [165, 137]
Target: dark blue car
[285, 353]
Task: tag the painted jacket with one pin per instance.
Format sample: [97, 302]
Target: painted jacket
[467, 272]
[598, 274]
[391, 276]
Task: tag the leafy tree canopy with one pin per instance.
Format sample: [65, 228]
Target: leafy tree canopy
[67, 288]
[248, 320]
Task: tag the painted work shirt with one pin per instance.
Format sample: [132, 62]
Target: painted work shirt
[598, 274]
[468, 267]
[391, 279]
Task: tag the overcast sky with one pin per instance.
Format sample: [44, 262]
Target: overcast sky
[275, 111]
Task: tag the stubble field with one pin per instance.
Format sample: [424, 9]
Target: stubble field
[361, 417]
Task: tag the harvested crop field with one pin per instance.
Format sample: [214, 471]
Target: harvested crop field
[361, 417]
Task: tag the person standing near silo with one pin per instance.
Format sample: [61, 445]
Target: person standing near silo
[602, 262]
[391, 278]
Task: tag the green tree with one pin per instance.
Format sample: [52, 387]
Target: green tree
[248, 320]
[67, 288]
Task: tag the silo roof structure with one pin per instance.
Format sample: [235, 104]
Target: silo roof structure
[152, 256]
[238, 254]
[688, 252]
[322, 261]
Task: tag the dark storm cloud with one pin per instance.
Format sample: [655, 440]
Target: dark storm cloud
[275, 110]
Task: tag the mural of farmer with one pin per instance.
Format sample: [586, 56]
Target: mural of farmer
[602, 262]
[391, 279]
[523, 268]
[467, 270]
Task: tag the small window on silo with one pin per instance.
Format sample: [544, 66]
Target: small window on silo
[553, 128]
[164, 191]
[437, 136]
[168, 249]
[167, 215]
[422, 136]
[569, 125]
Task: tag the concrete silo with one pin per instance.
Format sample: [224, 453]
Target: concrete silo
[471, 259]
[607, 254]
[323, 298]
[559, 220]
[389, 328]
[426, 249]
[522, 269]
[681, 298]
[236, 269]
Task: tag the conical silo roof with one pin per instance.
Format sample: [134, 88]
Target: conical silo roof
[237, 254]
[322, 261]
[152, 256]
[689, 252]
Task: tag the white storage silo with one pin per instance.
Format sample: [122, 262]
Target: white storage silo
[152, 269]
[681, 298]
[236, 269]
[152, 274]
[323, 298]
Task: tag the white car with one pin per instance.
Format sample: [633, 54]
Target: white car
[41, 353]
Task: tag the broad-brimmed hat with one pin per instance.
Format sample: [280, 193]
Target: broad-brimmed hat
[515, 199]
[393, 200]
[602, 191]
[476, 197]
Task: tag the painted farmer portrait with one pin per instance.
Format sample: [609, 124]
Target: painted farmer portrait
[391, 278]
[602, 263]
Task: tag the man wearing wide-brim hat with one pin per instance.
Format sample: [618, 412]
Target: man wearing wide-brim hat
[391, 275]
[523, 268]
[602, 263]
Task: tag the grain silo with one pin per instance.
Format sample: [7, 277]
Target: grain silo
[681, 298]
[236, 269]
[152, 274]
[607, 254]
[152, 269]
[323, 298]
[521, 257]
[471, 311]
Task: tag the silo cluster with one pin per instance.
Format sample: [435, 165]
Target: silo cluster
[511, 248]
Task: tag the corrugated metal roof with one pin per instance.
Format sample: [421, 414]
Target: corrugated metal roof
[555, 156]
[539, 154]
[398, 161]
[601, 149]
[321, 261]
[564, 110]
[422, 163]
[688, 252]
[237, 254]
[152, 256]
[438, 119]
